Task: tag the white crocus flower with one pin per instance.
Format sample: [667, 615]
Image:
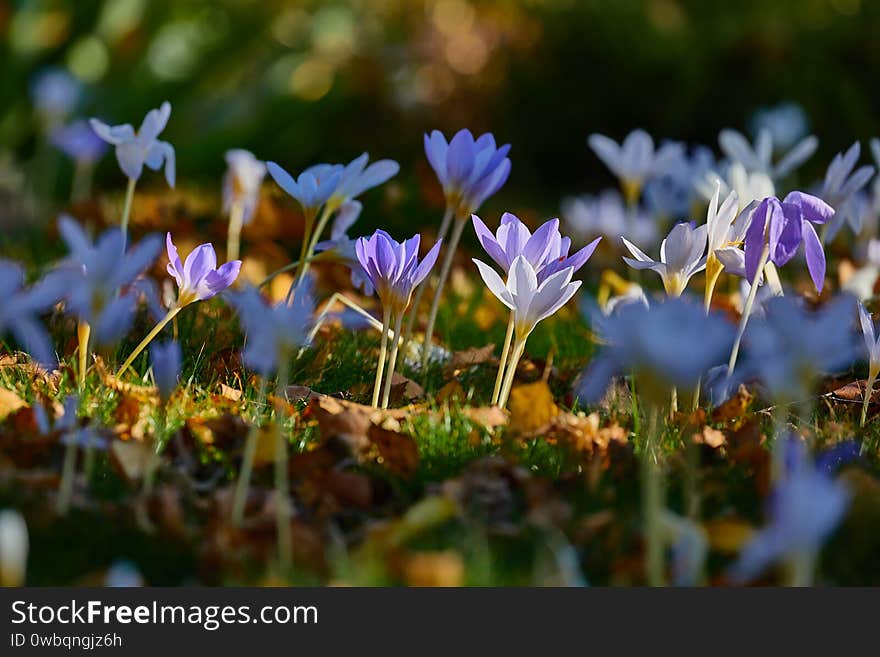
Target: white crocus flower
[872, 345]
[839, 189]
[681, 256]
[529, 301]
[749, 186]
[635, 160]
[760, 156]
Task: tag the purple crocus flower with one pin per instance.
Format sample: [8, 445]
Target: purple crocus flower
[135, 149]
[357, 178]
[782, 226]
[78, 141]
[805, 507]
[274, 332]
[55, 93]
[313, 188]
[18, 313]
[469, 170]
[393, 267]
[165, 358]
[199, 278]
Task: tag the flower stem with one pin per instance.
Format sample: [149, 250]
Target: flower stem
[869, 391]
[83, 332]
[519, 347]
[126, 209]
[801, 568]
[282, 486]
[81, 185]
[310, 239]
[309, 216]
[172, 313]
[392, 360]
[420, 291]
[505, 354]
[652, 501]
[383, 349]
[233, 236]
[747, 310]
[441, 283]
[247, 465]
[326, 213]
[155, 451]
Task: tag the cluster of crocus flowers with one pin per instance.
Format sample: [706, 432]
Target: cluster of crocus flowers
[134, 150]
[394, 271]
[546, 270]
[198, 279]
[470, 171]
[241, 194]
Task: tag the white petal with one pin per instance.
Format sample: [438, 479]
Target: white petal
[494, 283]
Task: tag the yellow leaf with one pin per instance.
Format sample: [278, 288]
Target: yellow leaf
[10, 402]
[531, 407]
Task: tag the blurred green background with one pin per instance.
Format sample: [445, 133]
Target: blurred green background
[300, 82]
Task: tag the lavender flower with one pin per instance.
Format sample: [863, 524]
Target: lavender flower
[241, 183]
[18, 313]
[513, 238]
[872, 344]
[199, 278]
[635, 160]
[55, 93]
[313, 188]
[165, 359]
[136, 149]
[805, 507]
[777, 229]
[606, 214]
[759, 157]
[274, 332]
[681, 256]
[670, 344]
[840, 187]
[357, 178]
[79, 142]
[790, 347]
[470, 170]
[96, 274]
[786, 122]
[394, 271]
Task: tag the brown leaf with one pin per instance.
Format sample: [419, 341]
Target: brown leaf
[531, 408]
[487, 416]
[734, 408]
[468, 358]
[398, 452]
[232, 394]
[709, 436]
[130, 458]
[10, 402]
[450, 391]
[855, 392]
[406, 389]
[583, 432]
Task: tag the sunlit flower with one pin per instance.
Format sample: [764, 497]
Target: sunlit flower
[242, 181]
[839, 189]
[749, 185]
[313, 188]
[634, 161]
[786, 122]
[805, 506]
[165, 359]
[780, 227]
[760, 156]
[199, 278]
[136, 149]
[357, 178]
[681, 256]
[79, 142]
[670, 344]
[513, 238]
[470, 170]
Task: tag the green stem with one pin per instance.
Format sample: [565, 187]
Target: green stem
[869, 390]
[81, 185]
[233, 236]
[383, 349]
[502, 364]
[247, 465]
[172, 313]
[282, 485]
[392, 360]
[747, 310]
[126, 209]
[420, 291]
[309, 217]
[519, 347]
[652, 502]
[326, 213]
[438, 293]
[802, 568]
[155, 451]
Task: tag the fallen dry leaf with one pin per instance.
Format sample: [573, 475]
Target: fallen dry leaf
[232, 394]
[397, 451]
[531, 408]
[468, 358]
[130, 458]
[709, 436]
[10, 402]
[735, 408]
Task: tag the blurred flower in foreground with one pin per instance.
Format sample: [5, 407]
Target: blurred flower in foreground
[241, 194]
[394, 270]
[840, 187]
[634, 161]
[759, 158]
[18, 313]
[681, 256]
[79, 142]
[805, 506]
[55, 94]
[14, 547]
[670, 344]
[786, 122]
[165, 359]
[790, 347]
